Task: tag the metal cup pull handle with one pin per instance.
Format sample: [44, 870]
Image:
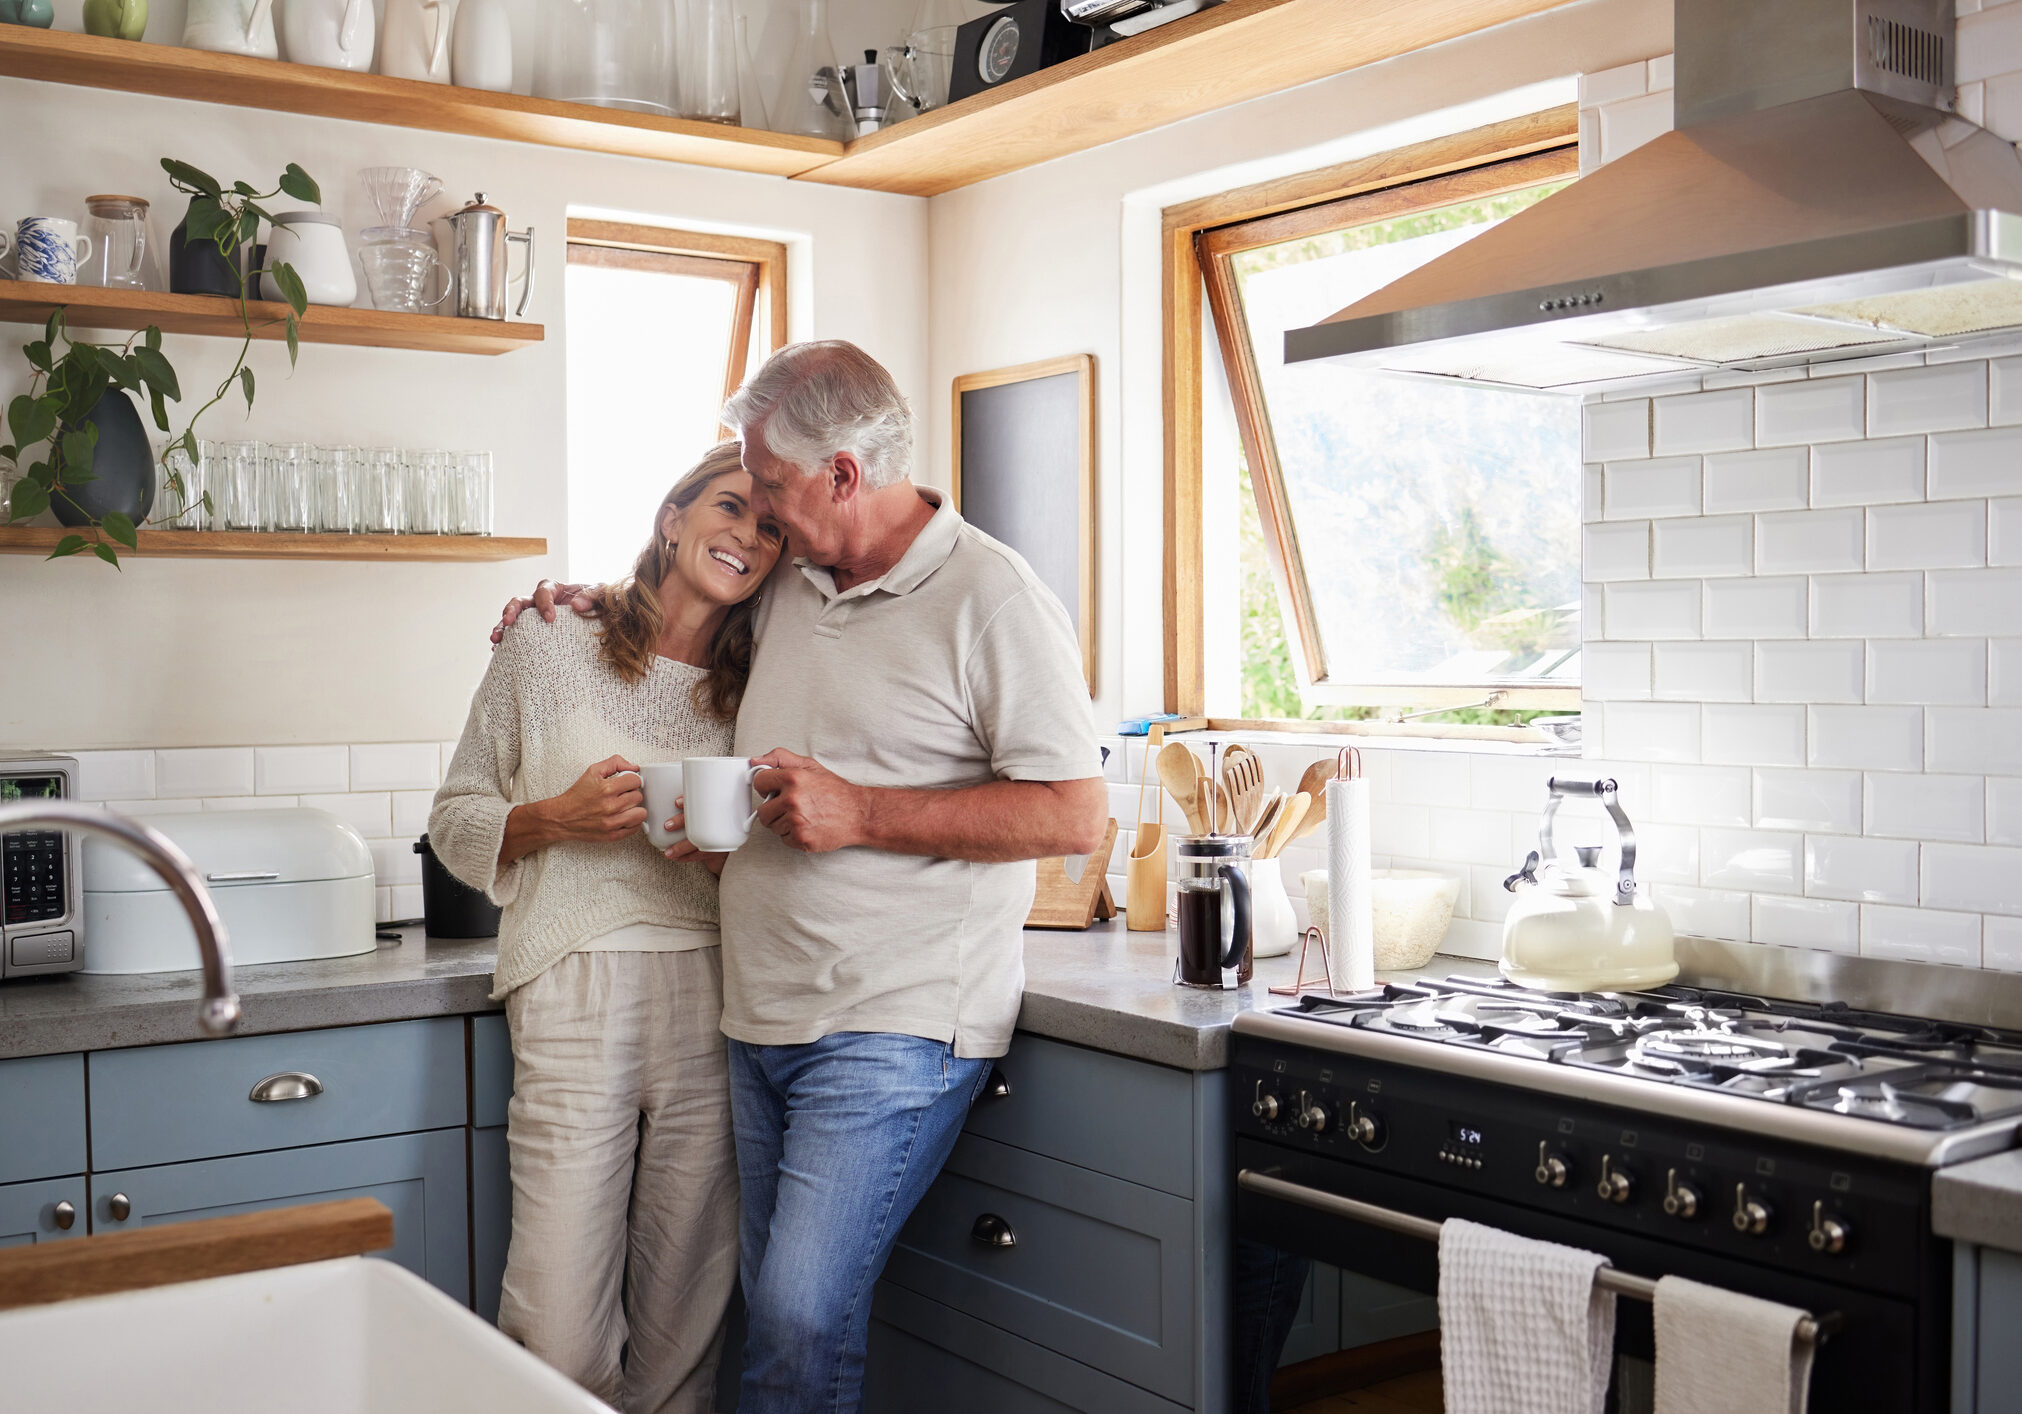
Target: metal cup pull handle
[992, 1231]
[286, 1085]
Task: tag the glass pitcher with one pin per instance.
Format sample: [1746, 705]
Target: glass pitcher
[122, 255]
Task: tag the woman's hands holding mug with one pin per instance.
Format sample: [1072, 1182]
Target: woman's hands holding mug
[604, 805]
[682, 851]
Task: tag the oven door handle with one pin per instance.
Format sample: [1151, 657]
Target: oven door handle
[1812, 1329]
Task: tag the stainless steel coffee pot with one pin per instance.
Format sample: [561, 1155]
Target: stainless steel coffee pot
[478, 237]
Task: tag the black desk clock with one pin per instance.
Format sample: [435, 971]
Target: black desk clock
[1012, 42]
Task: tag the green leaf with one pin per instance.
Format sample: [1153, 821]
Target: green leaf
[150, 338]
[39, 356]
[120, 368]
[32, 419]
[294, 341]
[77, 384]
[159, 373]
[68, 545]
[29, 498]
[10, 452]
[54, 327]
[43, 475]
[205, 219]
[189, 445]
[80, 446]
[249, 227]
[290, 284]
[243, 189]
[120, 528]
[260, 211]
[107, 553]
[246, 382]
[191, 178]
[300, 185]
[158, 408]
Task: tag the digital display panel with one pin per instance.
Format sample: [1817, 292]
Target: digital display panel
[1465, 1134]
[31, 788]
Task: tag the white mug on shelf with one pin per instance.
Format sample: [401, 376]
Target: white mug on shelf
[718, 807]
[46, 249]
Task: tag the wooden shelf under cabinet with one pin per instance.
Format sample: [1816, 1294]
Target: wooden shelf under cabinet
[94, 307]
[257, 545]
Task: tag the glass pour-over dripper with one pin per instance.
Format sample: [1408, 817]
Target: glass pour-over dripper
[398, 192]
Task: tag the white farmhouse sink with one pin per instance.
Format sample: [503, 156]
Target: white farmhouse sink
[340, 1337]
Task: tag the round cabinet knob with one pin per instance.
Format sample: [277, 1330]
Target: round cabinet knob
[1751, 1215]
[1552, 1170]
[1829, 1235]
[992, 1231]
[1313, 1115]
[120, 1207]
[1266, 1106]
[1363, 1127]
[1681, 1200]
[64, 1215]
[1616, 1183]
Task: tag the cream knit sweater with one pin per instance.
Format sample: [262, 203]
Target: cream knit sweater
[548, 708]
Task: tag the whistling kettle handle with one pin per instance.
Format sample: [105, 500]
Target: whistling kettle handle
[1603, 791]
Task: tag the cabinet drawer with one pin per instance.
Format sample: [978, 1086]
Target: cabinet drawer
[41, 1117]
[926, 1358]
[33, 1212]
[162, 1104]
[420, 1177]
[491, 1069]
[1099, 1270]
[1116, 1116]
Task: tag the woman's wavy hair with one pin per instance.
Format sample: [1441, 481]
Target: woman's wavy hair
[630, 610]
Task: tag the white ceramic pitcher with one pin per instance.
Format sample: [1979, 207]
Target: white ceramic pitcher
[331, 34]
[232, 27]
[416, 42]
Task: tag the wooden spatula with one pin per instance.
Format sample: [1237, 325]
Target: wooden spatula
[1314, 785]
[1179, 771]
[1287, 827]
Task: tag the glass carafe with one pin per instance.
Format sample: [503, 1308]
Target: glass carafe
[122, 255]
[710, 60]
[811, 100]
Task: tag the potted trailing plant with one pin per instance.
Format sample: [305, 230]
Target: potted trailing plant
[85, 451]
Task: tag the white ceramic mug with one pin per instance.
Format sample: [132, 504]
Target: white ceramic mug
[661, 781]
[719, 809]
[46, 249]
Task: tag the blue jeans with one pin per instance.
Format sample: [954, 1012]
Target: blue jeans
[837, 1141]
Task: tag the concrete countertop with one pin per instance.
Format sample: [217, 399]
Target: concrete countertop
[1981, 1201]
[1106, 988]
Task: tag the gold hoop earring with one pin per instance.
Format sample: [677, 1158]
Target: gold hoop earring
[670, 546]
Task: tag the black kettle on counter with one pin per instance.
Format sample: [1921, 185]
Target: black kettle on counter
[450, 907]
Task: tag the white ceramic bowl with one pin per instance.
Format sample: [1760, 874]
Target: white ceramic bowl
[1410, 910]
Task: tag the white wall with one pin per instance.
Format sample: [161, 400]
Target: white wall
[240, 653]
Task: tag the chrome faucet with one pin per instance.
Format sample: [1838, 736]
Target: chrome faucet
[218, 1013]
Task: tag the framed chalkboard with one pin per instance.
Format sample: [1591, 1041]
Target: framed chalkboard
[1024, 473]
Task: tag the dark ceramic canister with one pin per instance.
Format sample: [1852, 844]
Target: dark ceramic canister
[122, 467]
[196, 268]
[453, 908]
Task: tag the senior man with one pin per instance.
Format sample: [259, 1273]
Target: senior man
[917, 697]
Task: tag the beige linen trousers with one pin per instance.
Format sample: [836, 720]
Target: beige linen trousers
[624, 1231]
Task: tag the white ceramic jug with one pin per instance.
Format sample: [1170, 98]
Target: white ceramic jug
[481, 49]
[231, 27]
[331, 34]
[416, 43]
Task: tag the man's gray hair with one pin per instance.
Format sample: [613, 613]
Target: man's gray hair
[810, 401]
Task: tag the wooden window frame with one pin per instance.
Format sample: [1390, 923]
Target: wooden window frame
[1195, 248]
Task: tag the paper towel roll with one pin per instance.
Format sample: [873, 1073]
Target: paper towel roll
[1351, 941]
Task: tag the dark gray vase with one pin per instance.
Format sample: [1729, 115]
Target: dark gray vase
[122, 467]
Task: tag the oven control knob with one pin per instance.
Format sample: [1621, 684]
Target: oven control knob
[1312, 1114]
[1616, 1183]
[1828, 1236]
[1552, 1169]
[1266, 1106]
[1681, 1200]
[1751, 1215]
[1363, 1127]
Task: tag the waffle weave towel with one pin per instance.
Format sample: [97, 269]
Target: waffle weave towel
[1523, 1327]
[1719, 1352]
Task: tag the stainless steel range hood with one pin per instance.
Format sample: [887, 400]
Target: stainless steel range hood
[1817, 200]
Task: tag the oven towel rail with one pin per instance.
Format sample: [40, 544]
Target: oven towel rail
[1810, 1329]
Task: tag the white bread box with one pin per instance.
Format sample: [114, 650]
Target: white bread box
[290, 884]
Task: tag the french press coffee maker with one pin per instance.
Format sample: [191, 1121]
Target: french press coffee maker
[1214, 901]
[477, 266]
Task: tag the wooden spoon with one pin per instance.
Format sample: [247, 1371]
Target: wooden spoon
[1314, 785]
[1267, 818]
[1288, 823]
[1179, 771]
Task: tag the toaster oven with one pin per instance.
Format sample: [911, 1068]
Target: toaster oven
[41, 873]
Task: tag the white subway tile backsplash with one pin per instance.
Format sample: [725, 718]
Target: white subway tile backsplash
[1627, 125]
[114, 775]
[2001, 944]
[1399, 829]
[291, 770]
[1816, 410]
[1428, 778]
[1867, 605]
[1702, 672]
[1940, 399]
[1615, 550]
[1987, 463]
[1867, 738]
[1665, 854]
[1948, 671]
[1809, 542]
[1669, 487]
[155, 807]
[1653, 731]
[249, 802]
[411, 807]
[1989, 43]
[1704, 913]
[1759, 861]
[1661, 71]
[1868, 870]
[1752, 735]
[1721, 421]
[1615, 672]
[2004, 810]
[1470, 937]
[1807, 923]
[2004, 390]
[395, 862]
[404, 901]
[1615, 431]
[1923, 807]
[1761, 608]
[1973, 878]
[2004, 531]
[1704, 547]
[1936, 535]
[1773, 479]
[2004, 672]
[1508, 783]
[1822, 671]
[367, 812]
[1978, 740]
[1470, 836]
[1868, 473]
[1808, 800]
[1658, 609]
[396, 766]
[1920, 935]
[208, 770]
[1974, 603]
[1700, 795]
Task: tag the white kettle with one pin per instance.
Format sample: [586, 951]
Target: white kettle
[1573, 927]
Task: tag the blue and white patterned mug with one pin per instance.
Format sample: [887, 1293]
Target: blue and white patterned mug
[46, 249]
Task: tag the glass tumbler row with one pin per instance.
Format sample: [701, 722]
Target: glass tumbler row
[294, 486]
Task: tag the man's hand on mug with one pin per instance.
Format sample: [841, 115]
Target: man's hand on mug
[807, 805]
[604, 804]
[683, 852]
[579, 598]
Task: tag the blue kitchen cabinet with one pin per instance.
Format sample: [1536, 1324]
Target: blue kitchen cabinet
[38, 1211]
[41, 1117]
[1986, 1313]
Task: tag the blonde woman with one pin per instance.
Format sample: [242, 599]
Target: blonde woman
[624, 1232]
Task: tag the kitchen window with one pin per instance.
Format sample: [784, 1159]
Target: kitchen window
[662, 326]
[1370, 545]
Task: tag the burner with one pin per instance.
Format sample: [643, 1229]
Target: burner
[1883, 1103]
[1699, 1050]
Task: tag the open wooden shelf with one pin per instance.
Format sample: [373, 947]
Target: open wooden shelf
[174, 72]
[253, 545]
[1233, 52]
[93, 307]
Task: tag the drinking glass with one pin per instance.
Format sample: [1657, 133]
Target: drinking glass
[235, 484]
[427, 481]
[291, 486]
[399, 265]
[709, 62]
[379, 492]
[181, 506]
[473, 482]
[337, 490]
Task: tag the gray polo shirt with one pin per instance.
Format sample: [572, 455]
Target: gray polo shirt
[956, 668]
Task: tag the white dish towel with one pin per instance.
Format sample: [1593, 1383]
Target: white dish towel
[1523, 1329]
[1719, 1352]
